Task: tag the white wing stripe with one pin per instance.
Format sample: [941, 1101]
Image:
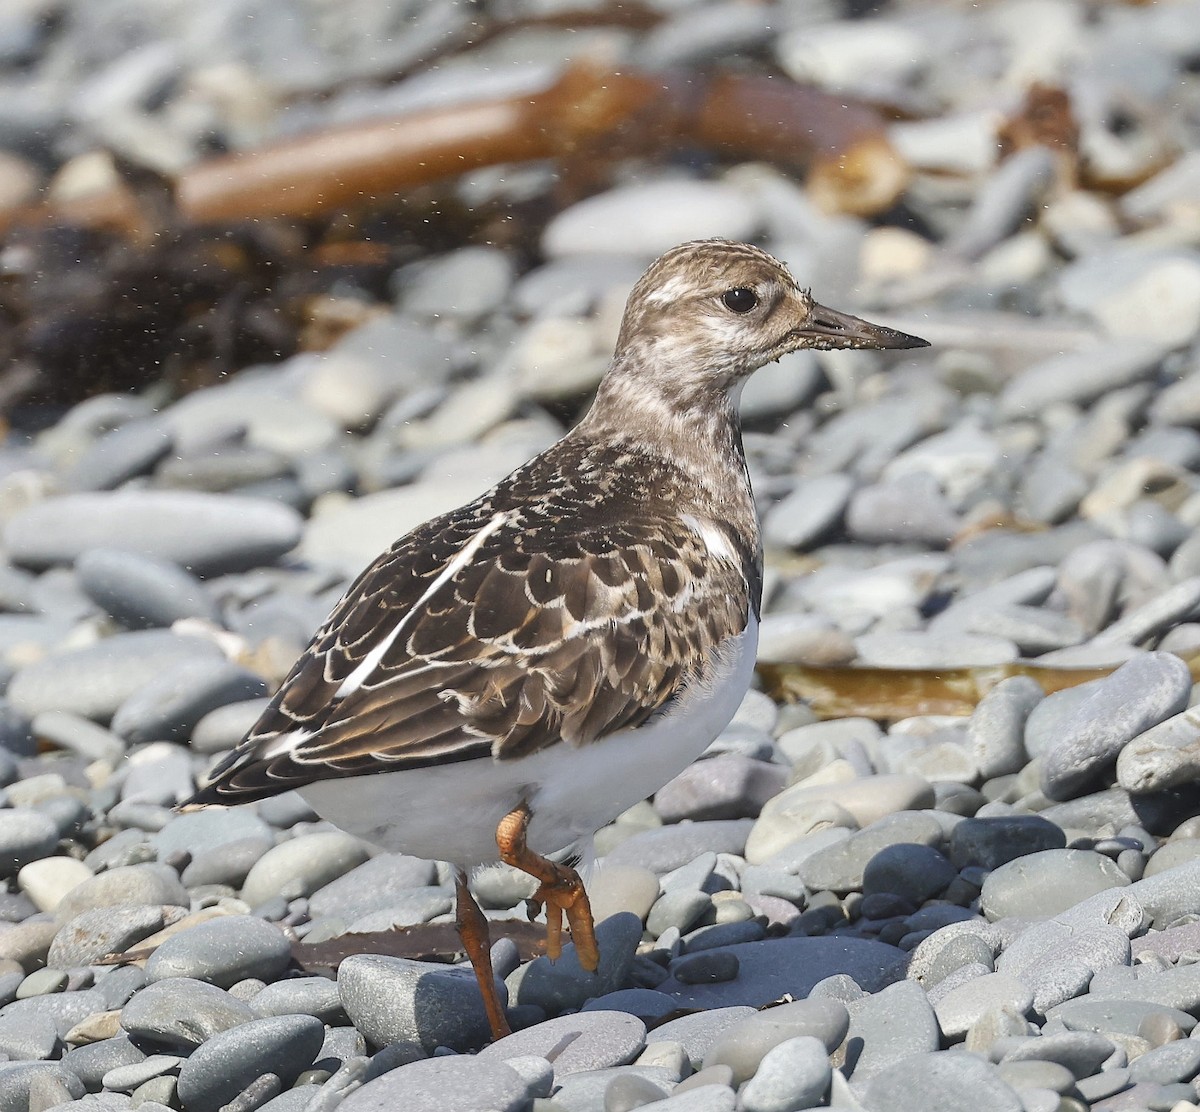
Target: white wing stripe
[370, 662]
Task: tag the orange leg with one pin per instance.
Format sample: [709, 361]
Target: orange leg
[473, 930]
[561, 890]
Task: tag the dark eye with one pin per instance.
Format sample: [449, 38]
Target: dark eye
[740, 300]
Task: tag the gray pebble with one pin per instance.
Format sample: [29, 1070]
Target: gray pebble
[960, 1008]
[222, 952]
[587, 1041]
[31, 1038]
[793, 1075]
[93, 935]
[711, 967]
[744, 1046]
[722, 787]
[1141, 693]
[943, 1080]
[168, 706]
[840, 867]
[888, 1026]
[181, 1013]
[419, 1003]
[918, 872]
[92, 1061]
[628, 1091]
[992, 842]
[94, 681]
[119, 455]
[436, 1084]
[223, 727]
[21, 1081]
[699, 1032]
[669, 847]
[303, 865]
[25, 835]
[679, 908]
[1174, 1061]
[1045, 883]
[143, 592]
[371, 886]
[206, 533]
[220, 1068]
[315, 996]
[996, 731]
[813, 508]
[124, 886]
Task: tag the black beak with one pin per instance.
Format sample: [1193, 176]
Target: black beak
[828, 329]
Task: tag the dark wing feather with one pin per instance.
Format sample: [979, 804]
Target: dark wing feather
[493, 634]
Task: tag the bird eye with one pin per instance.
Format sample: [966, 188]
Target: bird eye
[740, 300]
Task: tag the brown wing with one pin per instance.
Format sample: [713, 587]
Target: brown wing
[492, 633]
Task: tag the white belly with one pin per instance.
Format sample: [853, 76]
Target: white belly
[450, 812]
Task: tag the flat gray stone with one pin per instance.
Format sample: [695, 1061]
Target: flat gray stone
[124, 886]
[945, 1080]
[143, 592]
[437, 1084]
[1141, 693]
[770, 968]
[994, 841]
[1044, 884]
[227, 1063]
[371, 886]
[794, 1074]
[222, 952]
[206, 533]
[25, 835]
[590, 1040]
[745, 1045]
[19, 1080]
[959, 1009]
[302, 865]
[888, 1026]
[93, 935]
[420, 1003]
[669, 847]
[996, 731]
[94, 681]
[181, 1013]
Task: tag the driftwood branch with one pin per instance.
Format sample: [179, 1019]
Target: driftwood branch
[850, 164]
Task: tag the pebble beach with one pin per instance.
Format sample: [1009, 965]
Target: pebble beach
[900, 899]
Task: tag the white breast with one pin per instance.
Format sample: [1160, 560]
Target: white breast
[451, 812]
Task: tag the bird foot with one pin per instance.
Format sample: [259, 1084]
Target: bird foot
[560, 891]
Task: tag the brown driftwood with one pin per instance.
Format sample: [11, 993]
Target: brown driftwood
[851, 166]
[892, 693]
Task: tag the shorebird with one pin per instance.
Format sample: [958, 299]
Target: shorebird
[510, 676]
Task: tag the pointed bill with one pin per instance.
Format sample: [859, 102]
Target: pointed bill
[828, 329]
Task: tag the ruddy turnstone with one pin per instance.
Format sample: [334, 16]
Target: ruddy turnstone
[510, 676]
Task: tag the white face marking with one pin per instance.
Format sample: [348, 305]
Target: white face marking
[714, 539]
[370, 662]
[671, 291]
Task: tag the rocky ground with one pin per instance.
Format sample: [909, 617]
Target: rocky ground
[997, 911]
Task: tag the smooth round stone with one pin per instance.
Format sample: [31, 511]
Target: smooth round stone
[589, 1040]
[209, 534]
[803, 639]
[699, 1032]
[469, 282]
[809, 512]
[961, 1007]
[946, 1080]
[867, 800]
[32, 1038]
[436, 1084]
[119, 455]
[94, 681]
[909, 510]
[222, 951]
[627, 1092]
[917, 872]
[565, 985]
[1141, 693]
[1032, 1074]
[1172, 1062]
[841, 866]
[91, 1062]
[1079, 376]
[996, 731]
[994, 841]
[143, 592]
[706, 968]
[888, 1026]
[794, 1074]
[1082, 1052]
[302, 866]
[420, 1003]
[42, 982]
[417, 906]
[25, 836]
[66, 1009]
[78, 735]
[616, 888]
[669, 847]
[169, 705]
[127, 1078]
[226, 864]
[372, 886]
[220, 1068]
[1165, 756]
[744, 1046]
[182, 1013]
[23, 1081]
[680, 909]
[93, 935]
[25, 943]
[647, 219]
[202, 831]
[728, 786]
[224, 726]
[1116, 1017]
[645, 1003]
[1041, 885]
[125, 885]
[925, 650]
[316, 996]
